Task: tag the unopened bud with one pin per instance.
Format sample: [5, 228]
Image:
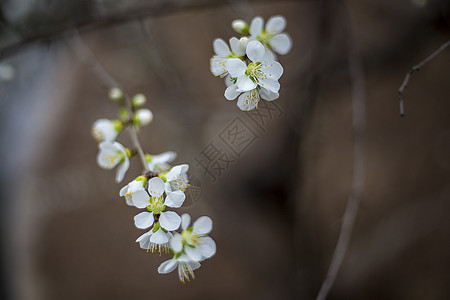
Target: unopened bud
[240, 26]
[116, 94]
[138, 100]
[143, 117]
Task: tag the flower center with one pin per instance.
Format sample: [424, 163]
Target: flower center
[156, 205]
[265, 37]
[189, 238]
[254, 72]
[181, 183]
[185, 272]
[113, 158]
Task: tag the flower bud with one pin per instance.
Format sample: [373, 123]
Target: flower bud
[138, 100]
[115, 94]
[240, 26]
[143, 117]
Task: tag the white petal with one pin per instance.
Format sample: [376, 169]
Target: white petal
[143, 220]
[217, 65]
[228, 81]
[271, 84]
[235, 67]
[123, 191]
[276, 24]
[159, 237]
[176, 172]
[269, 56]
[255, 51]
[194, 265]
[272, 69]
[281, 43]
[203, 225]
[245, 84]
[168, 266]
[248, 100]
[207, 247]
[194, 253]
[221, 48]
[232, 92]
[141, 199]
[122, 169]
[256, 26]
[268, 95]
[156, 187]
[175, 199]
[185, 221]
[175, 242]
[106, 129]
[108, 157]
[169, 220]
[165, 157]
[144, 240]
[144, 236]
[237, 47]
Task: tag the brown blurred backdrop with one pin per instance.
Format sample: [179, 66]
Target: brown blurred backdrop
[277, 209]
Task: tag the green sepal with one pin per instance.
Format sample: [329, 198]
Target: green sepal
[156, 227]
[148, 157]
[129, 152]
[118, 125]
[123, 114]
[162, 177]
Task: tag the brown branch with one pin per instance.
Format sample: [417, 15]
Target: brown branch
[414, 69]
[85, 54]
[156, 8]
[357, 187]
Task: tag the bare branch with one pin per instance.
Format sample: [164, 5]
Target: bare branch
[359, 124]
[414, 69]
[156, 8]
[85, 54]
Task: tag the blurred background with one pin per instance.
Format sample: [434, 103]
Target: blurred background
[277, 201]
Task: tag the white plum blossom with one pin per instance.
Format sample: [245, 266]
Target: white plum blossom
[185, 264]
[258, 79]
[223, 54]
[132, 187]
[156, 205]
[106, 130]
[160, 163]
[155, 240]
[272, 35]
[112, 154]
[176, 179]
[249, 100]
[193, 241]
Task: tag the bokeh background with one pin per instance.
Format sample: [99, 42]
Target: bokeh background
[277, 209]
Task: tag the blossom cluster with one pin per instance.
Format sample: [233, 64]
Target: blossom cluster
[249, 64]
[157, 190]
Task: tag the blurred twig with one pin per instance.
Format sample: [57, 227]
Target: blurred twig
[414, 69]
[155, 8]
[359, 124]
[85, 54]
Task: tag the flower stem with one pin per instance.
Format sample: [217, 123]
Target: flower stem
[85, 54]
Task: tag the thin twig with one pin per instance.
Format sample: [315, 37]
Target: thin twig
[359, 124]
[155, 8]
[414, 69]
[85, 54]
